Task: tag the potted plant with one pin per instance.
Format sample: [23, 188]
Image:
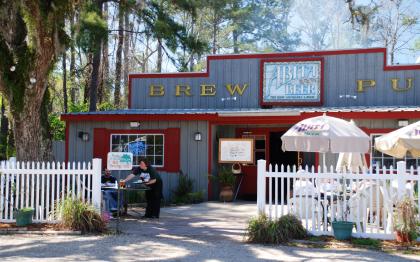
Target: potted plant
[342, 228]
[226, 180]
[405, 221]
[24, 216]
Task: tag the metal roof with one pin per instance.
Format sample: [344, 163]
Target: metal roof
[286, 111]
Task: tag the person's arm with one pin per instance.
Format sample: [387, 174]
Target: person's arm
[151, 181]
[129, 177]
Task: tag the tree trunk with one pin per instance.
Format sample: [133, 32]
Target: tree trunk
[118, 59]
[72, 64]
[235, 42]
[126, 66]
[214, 37]
[93, 85]
[4, 130]
[65, 82]
[105, 62]
[159, 56]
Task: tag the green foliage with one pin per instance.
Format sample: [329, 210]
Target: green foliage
[78, 215]
[225, 177]
[266, 231]
[106, 106]
[404, 216]
[92, 28]
[369, 242]
[79, 107]
[185, 187]
[57, 126]
[195, 197]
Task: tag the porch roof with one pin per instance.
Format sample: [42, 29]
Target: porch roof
[282, 111]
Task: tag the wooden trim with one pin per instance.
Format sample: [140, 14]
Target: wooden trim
[221, 140]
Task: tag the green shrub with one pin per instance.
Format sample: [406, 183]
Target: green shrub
[185, 187]
[78, 215]
[196, 197]
[368, 242]
[266, 231]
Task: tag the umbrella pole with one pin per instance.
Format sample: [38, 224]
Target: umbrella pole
[323, 162]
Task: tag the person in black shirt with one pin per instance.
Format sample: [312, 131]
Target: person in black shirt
[110, 195]
[151, 178]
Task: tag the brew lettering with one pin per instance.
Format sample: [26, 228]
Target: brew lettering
[156, 90]
[237, 88]
[208, 90]
[182, 89]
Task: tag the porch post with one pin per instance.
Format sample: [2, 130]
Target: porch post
[261, 186]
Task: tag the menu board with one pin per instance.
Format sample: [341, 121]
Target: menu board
[236, 150]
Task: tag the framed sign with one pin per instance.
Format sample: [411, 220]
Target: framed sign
[120, 161]
[292, 81]
[236, 150]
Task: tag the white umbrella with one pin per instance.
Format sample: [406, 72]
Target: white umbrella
[353, 162]
[400, 142]
[325, 134]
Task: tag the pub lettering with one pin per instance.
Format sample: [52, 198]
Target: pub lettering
[205, 90]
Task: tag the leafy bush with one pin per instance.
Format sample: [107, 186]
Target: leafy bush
[264, 230]
[225, 177]
[196, 197]
[78, 215]
[185, 187]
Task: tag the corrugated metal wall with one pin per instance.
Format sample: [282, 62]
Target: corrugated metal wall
[340, 75]
[59, 151]
[194, 155]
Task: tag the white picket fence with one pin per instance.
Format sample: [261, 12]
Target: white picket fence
[42, 185]
[317, 198]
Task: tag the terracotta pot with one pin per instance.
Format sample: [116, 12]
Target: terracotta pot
[402, 237]
[226, 194]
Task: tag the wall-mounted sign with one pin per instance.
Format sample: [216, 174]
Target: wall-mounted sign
[292, 82]
[120, 161]
[236, 150]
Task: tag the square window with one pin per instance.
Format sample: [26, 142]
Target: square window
[158, 150]
[150, 150]
[159, 139]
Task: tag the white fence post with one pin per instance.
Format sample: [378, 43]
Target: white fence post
[401, 169]
[96, 183]
[261, 186]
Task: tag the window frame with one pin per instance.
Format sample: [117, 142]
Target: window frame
[395, 160]
[111, 134]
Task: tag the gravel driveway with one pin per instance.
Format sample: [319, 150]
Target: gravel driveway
[204, 232]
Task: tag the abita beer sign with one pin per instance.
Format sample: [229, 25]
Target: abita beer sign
[292, 82]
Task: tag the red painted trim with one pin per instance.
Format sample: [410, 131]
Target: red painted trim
[172, 145]
[366, 115]
[209, 162]
[263, 103]
[140, 117]
[66, 158]
[216, 119]
[129, 91]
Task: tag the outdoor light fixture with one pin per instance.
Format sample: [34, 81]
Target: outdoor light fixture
[83, 135]
[197, 136]
[134, 124]
[402, 122]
